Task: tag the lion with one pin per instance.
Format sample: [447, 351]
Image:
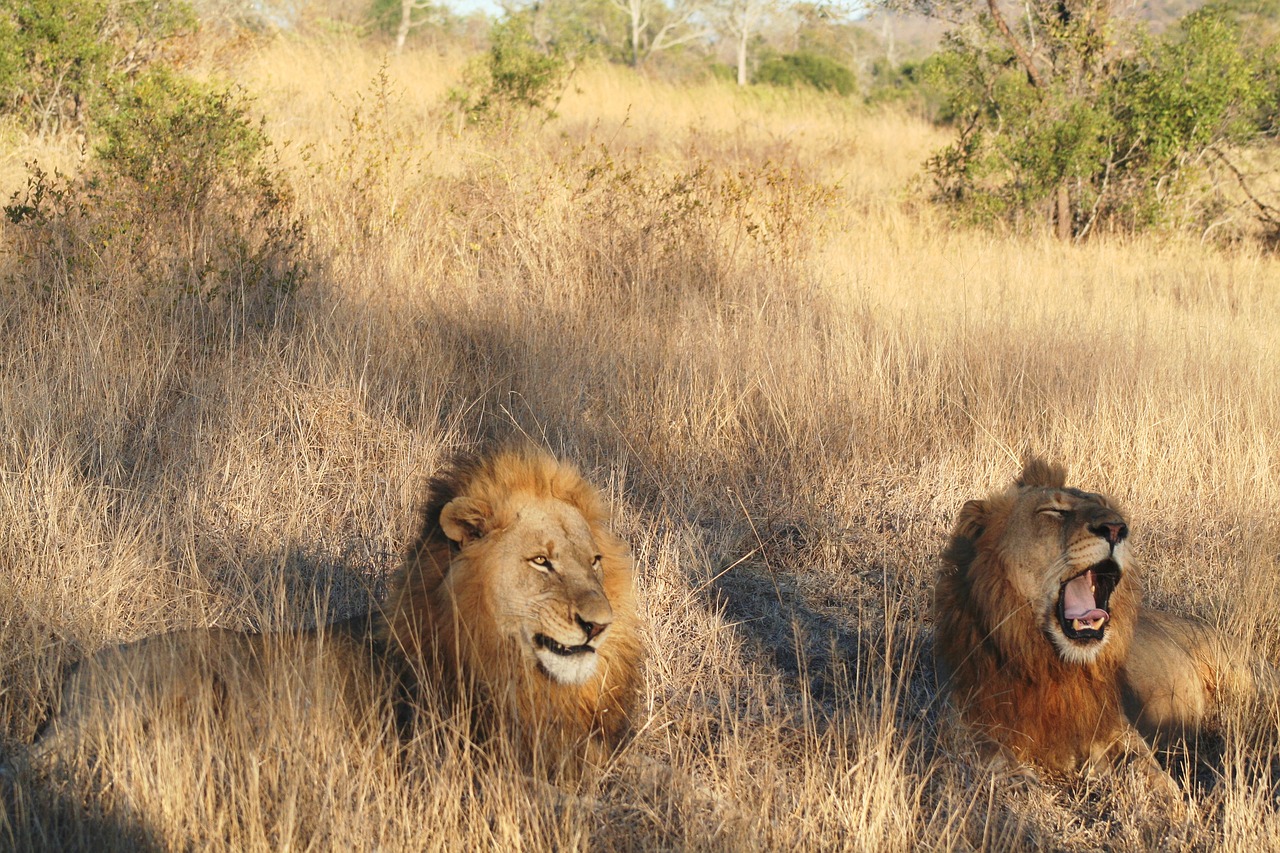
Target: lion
[516, 599]
[517, 590]
[1041, 638]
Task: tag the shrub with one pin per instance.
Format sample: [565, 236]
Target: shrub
[1258, 26]
[182, 199]
[807, 69]
[1116, 141]
[56, 56]
[912, 84]
[515, 78]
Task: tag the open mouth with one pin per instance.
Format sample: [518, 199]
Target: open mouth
[542, 641]
[1083, 602]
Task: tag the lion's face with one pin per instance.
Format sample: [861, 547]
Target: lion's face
[1065, 554]
[539, 574]
[517, 588]
[1068, 551]
[1035, 612]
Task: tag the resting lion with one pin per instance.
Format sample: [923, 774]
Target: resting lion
[515, 598]
[1040, 636]
[518, 588]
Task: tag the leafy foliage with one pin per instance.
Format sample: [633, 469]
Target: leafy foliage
[516, 77]
[58, 56]
[807, 69]
[1258, 25]
[1097, 138]
[182, 199]
[910, 83]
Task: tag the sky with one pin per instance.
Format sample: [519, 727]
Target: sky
[466, 7]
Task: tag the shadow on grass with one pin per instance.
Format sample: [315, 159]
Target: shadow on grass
[40, 815]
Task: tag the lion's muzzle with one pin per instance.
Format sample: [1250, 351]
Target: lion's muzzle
[1083, 601]
[571, 659]
[542, 641]
[1114, 532]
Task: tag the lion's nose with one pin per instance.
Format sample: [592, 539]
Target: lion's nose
[1113, 531]
[591, 629]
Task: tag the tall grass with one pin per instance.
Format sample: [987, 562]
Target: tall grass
[732, 310]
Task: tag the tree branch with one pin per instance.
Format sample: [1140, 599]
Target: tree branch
[1266, 212]
[1003, 26]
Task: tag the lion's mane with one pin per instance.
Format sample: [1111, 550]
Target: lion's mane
[434, 625]
[1005, 676]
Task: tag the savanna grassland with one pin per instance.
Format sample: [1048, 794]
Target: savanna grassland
[737, 312]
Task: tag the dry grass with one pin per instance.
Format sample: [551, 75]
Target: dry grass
[732, 311]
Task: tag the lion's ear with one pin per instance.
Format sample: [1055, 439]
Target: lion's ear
[963, 546]
[972, 520]
[465, 520]
[1039, 473]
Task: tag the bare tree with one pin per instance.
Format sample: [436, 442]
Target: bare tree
[675, 25]
[739, 21]
[407, 23]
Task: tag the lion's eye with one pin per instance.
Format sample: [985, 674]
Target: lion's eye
[542, 563]
[1053, 512]
[596, 565]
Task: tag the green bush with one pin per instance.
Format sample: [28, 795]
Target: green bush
[57, 56]
[807, 69]
[516, 77]
[182, 199]
[912, 84]
[1258, 25]
[1119, 146]
[1191, 91]
[53, 54]
[722, 72]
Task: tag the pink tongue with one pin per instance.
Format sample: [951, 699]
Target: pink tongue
[1077, 600]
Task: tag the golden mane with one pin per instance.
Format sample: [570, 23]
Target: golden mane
[452, 636]
[1010, 682]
